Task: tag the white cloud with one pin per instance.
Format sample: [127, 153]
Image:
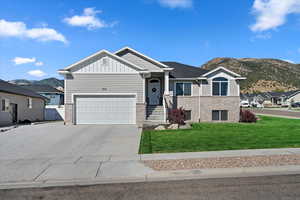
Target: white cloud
[39, 63]
[87, 19]
[36, 73]
[272, 13]
[20, 60]
[19, 29]
[176, 3]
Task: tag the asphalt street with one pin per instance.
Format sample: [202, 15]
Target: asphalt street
[267, 187]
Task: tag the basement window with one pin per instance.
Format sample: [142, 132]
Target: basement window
[188, 115]
[220, 115]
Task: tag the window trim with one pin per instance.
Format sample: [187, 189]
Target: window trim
[220, 88]
[183, 82]
[220, 116]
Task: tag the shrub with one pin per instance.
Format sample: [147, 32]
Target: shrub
[247, 116]
[176, 116]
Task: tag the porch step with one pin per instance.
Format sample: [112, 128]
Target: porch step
[155, 113]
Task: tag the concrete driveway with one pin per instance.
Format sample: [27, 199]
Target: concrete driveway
[39, 154]
[53, 140]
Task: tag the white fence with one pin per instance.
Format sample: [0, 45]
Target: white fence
[54, 113]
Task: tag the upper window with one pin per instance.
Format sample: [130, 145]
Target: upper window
[183, 89]
[220, 86]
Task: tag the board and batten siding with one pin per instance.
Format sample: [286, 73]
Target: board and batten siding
[103, 64]
[137, 60]
[104, 83]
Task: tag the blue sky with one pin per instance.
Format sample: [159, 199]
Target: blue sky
[39, 37]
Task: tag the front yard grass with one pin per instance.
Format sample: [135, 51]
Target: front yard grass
[269, 132]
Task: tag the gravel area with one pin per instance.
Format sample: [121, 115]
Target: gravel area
[224, 162]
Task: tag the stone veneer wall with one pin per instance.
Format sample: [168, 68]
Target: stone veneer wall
[68, 113]
[207, 104]
[140, 113]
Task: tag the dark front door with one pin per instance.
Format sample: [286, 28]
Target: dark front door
[14, 112]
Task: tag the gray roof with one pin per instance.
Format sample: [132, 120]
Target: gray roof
[184, 71]
[15, 89]
[41, 88]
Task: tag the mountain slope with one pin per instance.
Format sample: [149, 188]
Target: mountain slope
[54, 82]
[262, 74]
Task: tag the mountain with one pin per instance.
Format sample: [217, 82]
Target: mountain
[54, 82]
[262, 74]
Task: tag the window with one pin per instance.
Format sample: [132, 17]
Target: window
[183, 89]
[3, 105]
[220, 86]
[29, 102]
[188, 115]
[220, 115]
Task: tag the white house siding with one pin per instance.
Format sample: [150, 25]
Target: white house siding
[100, 83]
[137, 60]
[36, 113]
[295, 98]
[104, 64]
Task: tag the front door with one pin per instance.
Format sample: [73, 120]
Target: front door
[154, 91]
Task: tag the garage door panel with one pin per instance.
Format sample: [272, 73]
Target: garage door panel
[105, 110]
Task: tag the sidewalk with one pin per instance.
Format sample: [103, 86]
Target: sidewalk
[97, 169]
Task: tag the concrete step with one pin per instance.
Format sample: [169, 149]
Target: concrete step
[155, 117]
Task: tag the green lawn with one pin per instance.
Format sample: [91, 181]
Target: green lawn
[269, 132]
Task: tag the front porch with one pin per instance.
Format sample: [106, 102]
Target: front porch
[156, 89]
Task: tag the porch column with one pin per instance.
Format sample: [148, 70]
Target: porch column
[166, 83]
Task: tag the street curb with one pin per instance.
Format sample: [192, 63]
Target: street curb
[159, 176]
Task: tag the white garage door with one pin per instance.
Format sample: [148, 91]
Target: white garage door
[106, 109]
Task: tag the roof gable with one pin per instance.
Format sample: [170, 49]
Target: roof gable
[140, 59]
[221, 69]
[90, 60]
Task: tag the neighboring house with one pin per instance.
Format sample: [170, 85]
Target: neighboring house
[19, 104]
[292, 96]
[54, 96]
[127, 87]
[273, 98]
[253, 99]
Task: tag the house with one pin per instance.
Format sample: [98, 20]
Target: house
[128, 87]
[255, 100]
[54, 110]
[54, 96]
[19, 104]
[291, 96]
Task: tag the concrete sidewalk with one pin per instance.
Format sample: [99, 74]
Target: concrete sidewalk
[97, 169]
